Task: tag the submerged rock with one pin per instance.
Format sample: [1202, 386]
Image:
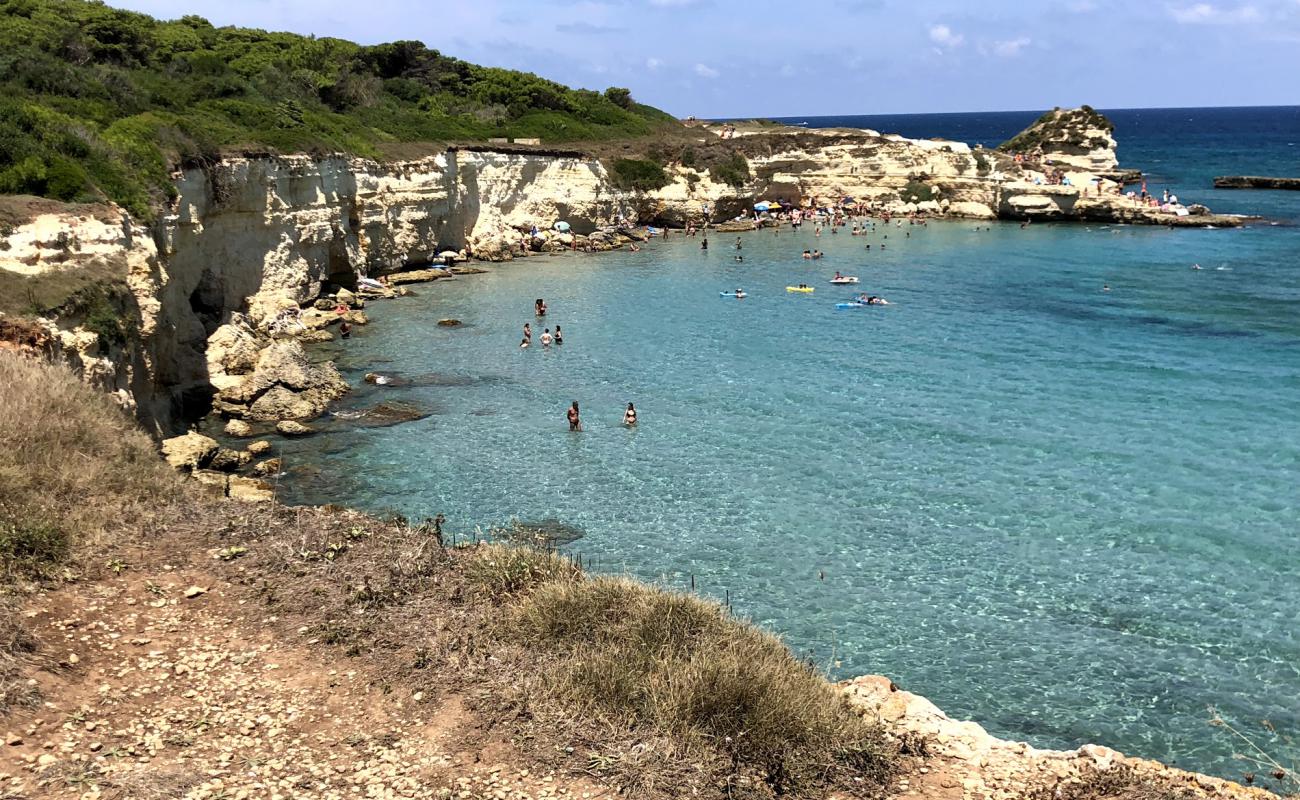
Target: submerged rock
[449, 323]
[384, 415]
[289, 427]
[549, 532]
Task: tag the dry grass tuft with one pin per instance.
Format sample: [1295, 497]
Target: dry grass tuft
[1120, 782]
[16, 647]
[502, 569]
[679, 667]
[73, 467]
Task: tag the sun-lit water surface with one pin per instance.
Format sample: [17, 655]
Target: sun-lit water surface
[1069, 514]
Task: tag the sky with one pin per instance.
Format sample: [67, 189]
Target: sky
[726, 58]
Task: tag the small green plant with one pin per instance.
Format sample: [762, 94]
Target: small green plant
[117, 566]
[31, 548]
[231, 553]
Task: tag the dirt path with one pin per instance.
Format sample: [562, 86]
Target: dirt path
[161, 691]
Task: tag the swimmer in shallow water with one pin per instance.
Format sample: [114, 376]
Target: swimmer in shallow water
[629, 416]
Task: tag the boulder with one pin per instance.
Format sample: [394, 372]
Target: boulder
[418, 276]
[448, 323]
[233, 349]
[250, 490]
[289, 427]
[259, 448]
[345, 297]
[189, 452]
[227, 460]
[281, 403]
[284, 385]
[216, 482]
[269, 467]
[315, 337]
[238, 429]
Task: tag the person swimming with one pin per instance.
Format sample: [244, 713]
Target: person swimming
[629, 416]
[539, 307]
[807, 254]
[575, 422]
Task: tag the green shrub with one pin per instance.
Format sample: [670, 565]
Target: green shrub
[31, 548]
[638, 173]
[916, 191]
[732, 170]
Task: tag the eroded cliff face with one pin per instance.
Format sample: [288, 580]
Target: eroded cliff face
[248, 239]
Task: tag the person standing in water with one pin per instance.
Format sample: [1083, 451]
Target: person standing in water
[546, 337]
[540, 307]
[528, 333]
[575, 422]
[629, 416]
[559, 337]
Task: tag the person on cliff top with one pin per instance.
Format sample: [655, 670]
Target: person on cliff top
[629, 416]
[559, 337]
[540, 307]
[575, 422]
[546, 337]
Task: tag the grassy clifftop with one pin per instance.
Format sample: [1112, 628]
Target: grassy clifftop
[98, 103]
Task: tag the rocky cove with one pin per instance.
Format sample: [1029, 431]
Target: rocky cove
[257, 255]
[247, 239]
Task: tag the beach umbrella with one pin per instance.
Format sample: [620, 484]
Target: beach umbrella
[562, 226]
[761, 206]
[448, 254]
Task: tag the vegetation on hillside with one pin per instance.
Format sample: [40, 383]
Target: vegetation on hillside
[98, 103]
[1059, 129]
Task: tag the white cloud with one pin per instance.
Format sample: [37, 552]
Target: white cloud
[705, 71]
[653, 63]
[1011, 47]
[1207, 13]
[944, 36]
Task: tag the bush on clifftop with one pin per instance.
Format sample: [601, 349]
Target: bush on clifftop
[100, 103]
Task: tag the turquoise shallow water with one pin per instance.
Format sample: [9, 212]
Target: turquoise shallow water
[1068, 514]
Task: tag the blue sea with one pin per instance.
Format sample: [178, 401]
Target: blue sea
[1069, 514]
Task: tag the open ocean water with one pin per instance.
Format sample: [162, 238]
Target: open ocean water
[1068, 514]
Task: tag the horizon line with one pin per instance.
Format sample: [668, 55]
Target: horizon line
[989, 111]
